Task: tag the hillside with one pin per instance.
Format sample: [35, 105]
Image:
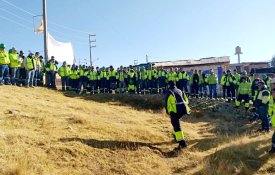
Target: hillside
[46, 132]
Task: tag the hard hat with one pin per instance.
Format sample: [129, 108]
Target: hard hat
[228, 71]
[2, 46]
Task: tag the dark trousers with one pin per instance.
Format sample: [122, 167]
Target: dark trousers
[82, 82]
[175, 121]
[51, 83]
[74, 84]
[223, 91]
[195, 88]
[93, 86]
[112, 82]
[262, 111]
[162, 84]
[103, 85]
[244, 97]
[230, 91]
[65, 83]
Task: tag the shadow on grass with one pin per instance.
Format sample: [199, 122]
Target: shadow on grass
[236, 159]
[125, 145]
[140, 102]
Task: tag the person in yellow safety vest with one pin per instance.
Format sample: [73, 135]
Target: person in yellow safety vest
[223, 84]
[267, 81]
[121, 77]
[261, 104]
[30, 67]
[149, 78]
[64, 72]
[212, 81]
[42, 71]
[201, 83]
[143, 80]
[51, 69]
[171, 75]
[15, 62]
[4, 65]
[230, 82]
[271, 113]
[180, 79]
[93, 77]
[244, 92]
[131, 81]
[137, 71]
[112, 80]
[22, 70]
[176, 105]
[237, 81]
[162, 80]
[103, 80]
[38, 69]
[254, 87]
[83, 79]
[155, 85]
[74, 77]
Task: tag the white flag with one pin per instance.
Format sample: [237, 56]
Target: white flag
[40, 28]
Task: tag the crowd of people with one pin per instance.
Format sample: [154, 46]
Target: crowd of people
[32, 70]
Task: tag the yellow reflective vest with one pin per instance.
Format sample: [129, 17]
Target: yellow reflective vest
[271, 111]
[4, 57]
[64, 71]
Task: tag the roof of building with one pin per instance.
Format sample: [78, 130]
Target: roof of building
[249, 63]
[202, 61]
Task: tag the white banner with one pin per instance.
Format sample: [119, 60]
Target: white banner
[61, 51]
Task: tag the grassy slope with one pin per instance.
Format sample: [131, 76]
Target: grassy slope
[45, 132]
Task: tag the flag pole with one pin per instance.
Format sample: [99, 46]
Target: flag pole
[45, 31]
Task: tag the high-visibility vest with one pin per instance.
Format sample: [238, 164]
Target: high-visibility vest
[74, 75]
[149, 74]
[244, 88]
[174, 105]
[161, 73]
[212, 79]
[93, 75]
[172, 76]
[263, 98]
[14, 60]
[103, 74]
[271, 111]
[4, 57]
[143, 75]
[64, 71]
[30, 63]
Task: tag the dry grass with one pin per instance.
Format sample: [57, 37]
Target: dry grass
[45, 132]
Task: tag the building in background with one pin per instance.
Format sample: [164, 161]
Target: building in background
[248, 66]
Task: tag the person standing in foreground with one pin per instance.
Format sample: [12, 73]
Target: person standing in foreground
[176, 105]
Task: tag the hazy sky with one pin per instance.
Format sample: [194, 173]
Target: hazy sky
[129, 29]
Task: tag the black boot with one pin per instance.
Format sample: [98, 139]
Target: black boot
[182, 144]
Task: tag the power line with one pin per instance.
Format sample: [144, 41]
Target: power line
[15, 15]
[68, 28]
[53, 30]
[22, 25]
[32, 14]
[11, 4]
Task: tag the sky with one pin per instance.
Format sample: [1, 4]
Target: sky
[128, 30]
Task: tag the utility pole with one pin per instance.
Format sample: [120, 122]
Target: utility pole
[45, 31]
[146, 58]
[91, 46]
